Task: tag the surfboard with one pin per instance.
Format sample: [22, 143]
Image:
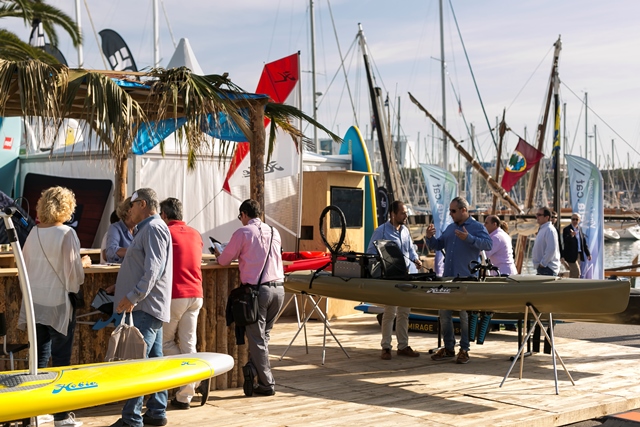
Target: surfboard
[360, 161]
[73, 387]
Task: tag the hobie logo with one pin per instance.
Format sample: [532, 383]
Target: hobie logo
[74, 387]
[439, 290]
[187, 363]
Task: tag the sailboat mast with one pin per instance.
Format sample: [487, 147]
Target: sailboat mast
[78, 15]
[557, 205]
[393, 186]
[313, 75]
[156, 35]
[445, 151]
[533, 180]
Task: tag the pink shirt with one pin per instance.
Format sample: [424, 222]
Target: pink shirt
[249, 245]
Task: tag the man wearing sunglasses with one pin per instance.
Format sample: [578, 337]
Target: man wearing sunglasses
[462, 240]
[575, 246]
[545, 252]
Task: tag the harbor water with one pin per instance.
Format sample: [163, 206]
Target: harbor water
[617, 253]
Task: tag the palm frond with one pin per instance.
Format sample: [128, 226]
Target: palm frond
[14, 49]
[51, 17]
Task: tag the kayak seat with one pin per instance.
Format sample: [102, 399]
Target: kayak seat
[393, 265]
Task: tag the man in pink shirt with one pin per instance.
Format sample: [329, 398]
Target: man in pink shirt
[186, 295]
[257, 247]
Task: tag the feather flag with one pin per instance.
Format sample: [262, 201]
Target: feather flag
[523, 158]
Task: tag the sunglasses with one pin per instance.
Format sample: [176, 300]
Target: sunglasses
[575, 219]
[240, 216]
[539, 214]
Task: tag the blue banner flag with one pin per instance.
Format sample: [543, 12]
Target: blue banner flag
[442, 187]
[587, 199]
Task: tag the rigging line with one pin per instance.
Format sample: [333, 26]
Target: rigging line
[95, 35]
[335, 33]
[273, 31]
[603, 121]
[166, 17]
[575, 135]
[475, 84]
[464, 119]
[334, 77]
[543, 60]
[205, 206]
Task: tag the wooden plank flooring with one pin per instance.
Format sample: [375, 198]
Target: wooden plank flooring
[416, 391]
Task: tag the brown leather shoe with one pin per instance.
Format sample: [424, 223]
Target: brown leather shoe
[463, 357]
[443, 354]
[386, 354]
[408, 351]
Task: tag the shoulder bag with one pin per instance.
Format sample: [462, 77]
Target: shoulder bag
[244, 299]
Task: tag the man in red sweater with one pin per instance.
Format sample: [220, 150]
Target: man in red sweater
[179, 335]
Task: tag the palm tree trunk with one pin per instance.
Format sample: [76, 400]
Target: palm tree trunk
[256, 153]
[120, 192]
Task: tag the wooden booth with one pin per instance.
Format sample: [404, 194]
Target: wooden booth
[344, 189]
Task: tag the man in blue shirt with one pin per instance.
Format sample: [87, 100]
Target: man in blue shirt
[462, 241]
[143, 289]
[395, 231]
[546, 252]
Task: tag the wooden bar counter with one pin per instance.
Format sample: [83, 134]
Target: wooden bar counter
[90, 346]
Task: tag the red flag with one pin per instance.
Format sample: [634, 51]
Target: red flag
[523, 158]
[277, 80]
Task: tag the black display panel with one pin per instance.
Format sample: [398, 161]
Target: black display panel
[351, 203]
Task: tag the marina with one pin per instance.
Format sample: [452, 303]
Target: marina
[418, 391]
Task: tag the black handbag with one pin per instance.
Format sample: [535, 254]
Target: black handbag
[244, 299]
[244, 304]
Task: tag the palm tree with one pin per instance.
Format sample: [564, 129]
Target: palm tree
[13, 48]
[115, 112]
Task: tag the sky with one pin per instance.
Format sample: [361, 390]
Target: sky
[509, 46]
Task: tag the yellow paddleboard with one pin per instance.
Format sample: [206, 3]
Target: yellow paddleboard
[73, 387]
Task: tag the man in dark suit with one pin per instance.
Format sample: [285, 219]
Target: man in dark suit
[575, 248]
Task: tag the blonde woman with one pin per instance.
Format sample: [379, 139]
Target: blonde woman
[54, 265]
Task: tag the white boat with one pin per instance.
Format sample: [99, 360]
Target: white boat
[610, 234]
[629, 233]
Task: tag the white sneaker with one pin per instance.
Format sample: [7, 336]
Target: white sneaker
[43, 419]
[69, 422]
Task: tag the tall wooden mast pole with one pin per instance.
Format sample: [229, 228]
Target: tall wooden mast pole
[502, 131]
[493, 185]
[533, 180]
[389, 163]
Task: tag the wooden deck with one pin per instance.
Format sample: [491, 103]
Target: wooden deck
[364, 389]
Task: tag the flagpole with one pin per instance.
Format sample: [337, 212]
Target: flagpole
[300, 166]
[556, 151]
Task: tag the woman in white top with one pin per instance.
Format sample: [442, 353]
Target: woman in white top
[54, 265]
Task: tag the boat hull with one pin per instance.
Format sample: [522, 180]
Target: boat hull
[500, 294]
[73, 387]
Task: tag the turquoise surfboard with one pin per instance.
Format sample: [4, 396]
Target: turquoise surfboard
[354, 144]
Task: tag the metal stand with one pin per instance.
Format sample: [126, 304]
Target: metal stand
[435, 350]
[303, 325]
[554, 353]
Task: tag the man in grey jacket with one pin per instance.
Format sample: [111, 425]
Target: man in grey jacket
[143, 289]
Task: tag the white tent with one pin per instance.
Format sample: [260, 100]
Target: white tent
[184, 57]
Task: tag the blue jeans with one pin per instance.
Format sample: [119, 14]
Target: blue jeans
[151, 329]
[446, 323]
[52, 344]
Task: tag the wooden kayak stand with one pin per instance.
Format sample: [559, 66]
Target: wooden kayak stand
[529, 308]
